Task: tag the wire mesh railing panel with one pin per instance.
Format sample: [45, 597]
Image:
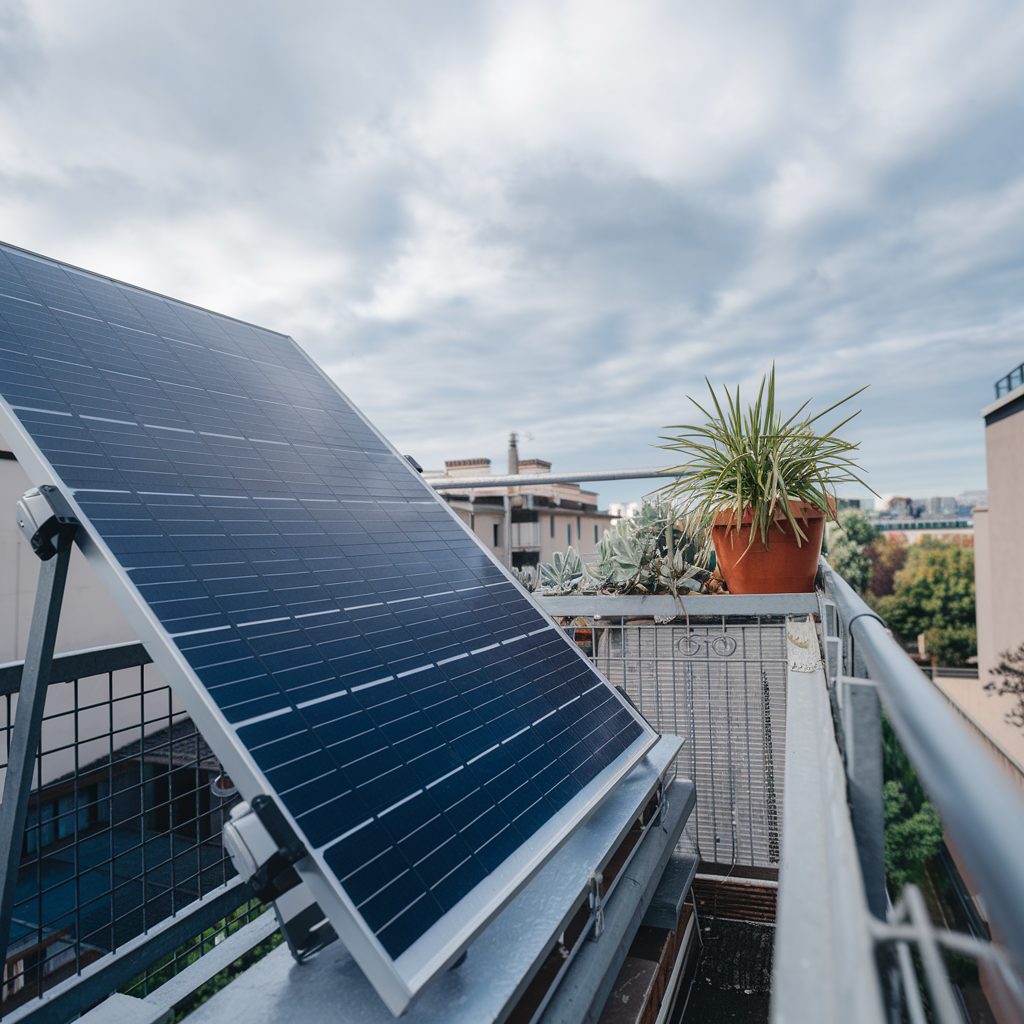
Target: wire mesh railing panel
[720, 684]
[123, 828]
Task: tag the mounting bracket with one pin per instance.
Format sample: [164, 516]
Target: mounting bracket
[264, 850]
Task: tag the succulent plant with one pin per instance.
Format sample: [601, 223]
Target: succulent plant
[649, 554]
[527, 575]
[564, 574]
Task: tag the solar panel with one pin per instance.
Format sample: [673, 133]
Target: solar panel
[341, 639]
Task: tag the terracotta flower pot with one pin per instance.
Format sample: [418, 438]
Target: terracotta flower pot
[783, 567]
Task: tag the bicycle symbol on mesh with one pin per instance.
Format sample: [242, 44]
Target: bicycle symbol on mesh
[722, 645]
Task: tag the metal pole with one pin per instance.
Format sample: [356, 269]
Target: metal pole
[862, 736]
[508, 531]
[28, 723]
[861, 718]
[456, 483]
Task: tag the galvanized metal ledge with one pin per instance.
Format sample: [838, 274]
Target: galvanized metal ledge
[331, 989]
[610, 606]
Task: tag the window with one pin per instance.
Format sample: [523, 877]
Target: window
[552, 526]
[595, 533]
[55, 819]
[568, 534]
[579, 529]
[497, 534]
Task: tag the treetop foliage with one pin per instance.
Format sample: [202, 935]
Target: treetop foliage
[933, 590]
[887, 558]
[847, 542]
[857, 527]
[926, 587]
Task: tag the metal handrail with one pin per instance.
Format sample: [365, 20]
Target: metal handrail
[982, 813]
[93, 661]
[456, 483]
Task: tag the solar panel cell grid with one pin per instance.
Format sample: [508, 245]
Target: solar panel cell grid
[413, 711]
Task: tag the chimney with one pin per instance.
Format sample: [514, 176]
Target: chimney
[513, 455]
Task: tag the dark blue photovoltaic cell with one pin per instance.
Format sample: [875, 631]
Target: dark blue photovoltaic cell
[413, 711]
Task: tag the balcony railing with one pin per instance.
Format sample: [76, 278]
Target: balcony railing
[774, 744]
[1014, 379]
[124, 881]
[123, 878]
[982, 813]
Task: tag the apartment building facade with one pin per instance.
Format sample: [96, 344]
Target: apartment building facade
[999, 564]
[539, 519]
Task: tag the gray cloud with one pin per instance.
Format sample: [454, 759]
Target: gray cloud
[554, 219]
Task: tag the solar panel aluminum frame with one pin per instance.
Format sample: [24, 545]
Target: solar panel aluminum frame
[396, 980]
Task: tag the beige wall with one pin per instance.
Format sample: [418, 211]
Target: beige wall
[483, 518]
[481, 522]
[987, 712]
[1004, 451]
[582, 533]
[998, 575]
[89, 618]
[983, 592]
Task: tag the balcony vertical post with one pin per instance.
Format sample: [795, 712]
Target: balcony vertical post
[862, 742]
[507, 527]
[28, 723]
[862, 750]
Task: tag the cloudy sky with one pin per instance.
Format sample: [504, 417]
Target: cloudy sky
[555, 216]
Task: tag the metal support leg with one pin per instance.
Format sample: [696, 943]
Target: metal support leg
[28, 724]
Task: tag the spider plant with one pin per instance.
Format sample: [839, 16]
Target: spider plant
[752, 459]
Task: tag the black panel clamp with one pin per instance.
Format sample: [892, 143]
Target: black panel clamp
[276, 876]
[46, 517]
[265, 849]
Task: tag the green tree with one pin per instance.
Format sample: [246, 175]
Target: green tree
[913, 831]
[934, 594]
[952, 645]
[912, 837]
[848, 541]
[887, 558]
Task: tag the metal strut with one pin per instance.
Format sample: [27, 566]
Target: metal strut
[47, 519]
